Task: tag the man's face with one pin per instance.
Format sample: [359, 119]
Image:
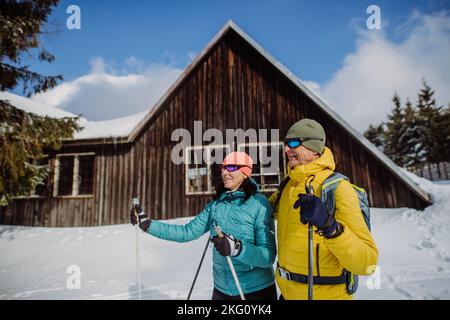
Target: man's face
[299, 156]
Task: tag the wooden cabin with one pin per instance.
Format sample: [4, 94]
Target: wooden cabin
[233, 83]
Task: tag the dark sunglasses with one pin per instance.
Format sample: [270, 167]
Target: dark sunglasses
[231, 167]
[297, 142]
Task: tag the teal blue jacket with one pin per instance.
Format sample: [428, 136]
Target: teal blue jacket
[249, 221]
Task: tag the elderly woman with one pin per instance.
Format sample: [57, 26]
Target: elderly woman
[245, 218]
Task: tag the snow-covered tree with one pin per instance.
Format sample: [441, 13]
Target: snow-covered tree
[25, 136]
[395, 130]
[429, 125]
[411, 141]
[414, 135]
[375, 134]
[440, 136]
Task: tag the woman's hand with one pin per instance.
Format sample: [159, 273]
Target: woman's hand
[144, 225]
[141, 218]
[227, 245]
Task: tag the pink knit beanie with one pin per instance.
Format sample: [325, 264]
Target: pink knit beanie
[242, 159]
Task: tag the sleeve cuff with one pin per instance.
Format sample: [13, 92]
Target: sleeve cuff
[339, 239]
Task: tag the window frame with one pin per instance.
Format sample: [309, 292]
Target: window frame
[261, 168]
[210, 189]
[75, 175]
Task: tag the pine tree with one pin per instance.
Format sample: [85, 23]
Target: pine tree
[21, 24]
[25, 136]
[427, 124]
[411, 141]
[376, 134]
[440, 135]
[395, 129]
[414, 135]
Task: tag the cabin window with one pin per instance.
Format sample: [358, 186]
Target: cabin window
[270, 166]
[201, 177]
[65, 181]
[74, 175]
[86, 174]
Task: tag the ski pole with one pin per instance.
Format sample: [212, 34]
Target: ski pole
[198, 269]
[135, 202]
[310, 191]
[310, 262]
[230, 263]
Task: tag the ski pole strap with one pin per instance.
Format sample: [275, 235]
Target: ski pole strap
[301, 278]
[143, 217]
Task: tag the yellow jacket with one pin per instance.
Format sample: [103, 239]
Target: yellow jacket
[353, 250]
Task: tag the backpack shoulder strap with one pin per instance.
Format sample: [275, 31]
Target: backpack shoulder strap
[329, 187]
[279, 191]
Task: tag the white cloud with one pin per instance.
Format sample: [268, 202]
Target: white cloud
[362, 89]
[109, 91]
[312, 85]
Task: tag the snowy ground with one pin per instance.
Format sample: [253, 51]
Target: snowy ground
[414, 259]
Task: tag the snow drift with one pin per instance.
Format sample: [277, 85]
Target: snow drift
[414, 259]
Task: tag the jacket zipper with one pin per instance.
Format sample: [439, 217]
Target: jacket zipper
[226, 222]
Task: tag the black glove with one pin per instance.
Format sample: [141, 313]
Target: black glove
[312, 210]
[142, 216]
[144, 220]
[144, 225]
[227, 245]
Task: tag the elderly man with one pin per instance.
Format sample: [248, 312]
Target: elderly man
[342, 243]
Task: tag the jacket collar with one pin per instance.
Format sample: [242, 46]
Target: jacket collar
[239, 193]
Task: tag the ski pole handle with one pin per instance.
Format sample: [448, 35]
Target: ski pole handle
[310, 190]
[219, 231]
[135, 202]
[308, 185]
[217, 228]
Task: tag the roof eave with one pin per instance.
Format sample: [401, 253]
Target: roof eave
[94, 141]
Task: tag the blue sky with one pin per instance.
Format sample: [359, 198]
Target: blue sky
[310, 37]
[314, 39]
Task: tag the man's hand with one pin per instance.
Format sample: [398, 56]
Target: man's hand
[312, 210]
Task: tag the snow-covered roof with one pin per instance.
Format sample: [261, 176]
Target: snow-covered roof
[36, 107]
[114, 128]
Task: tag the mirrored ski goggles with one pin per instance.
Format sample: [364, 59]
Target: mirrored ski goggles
[232, 167]
[297, 142]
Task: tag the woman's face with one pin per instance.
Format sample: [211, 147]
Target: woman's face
[232, 180]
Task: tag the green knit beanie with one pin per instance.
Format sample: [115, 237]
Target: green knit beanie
[308, 128]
